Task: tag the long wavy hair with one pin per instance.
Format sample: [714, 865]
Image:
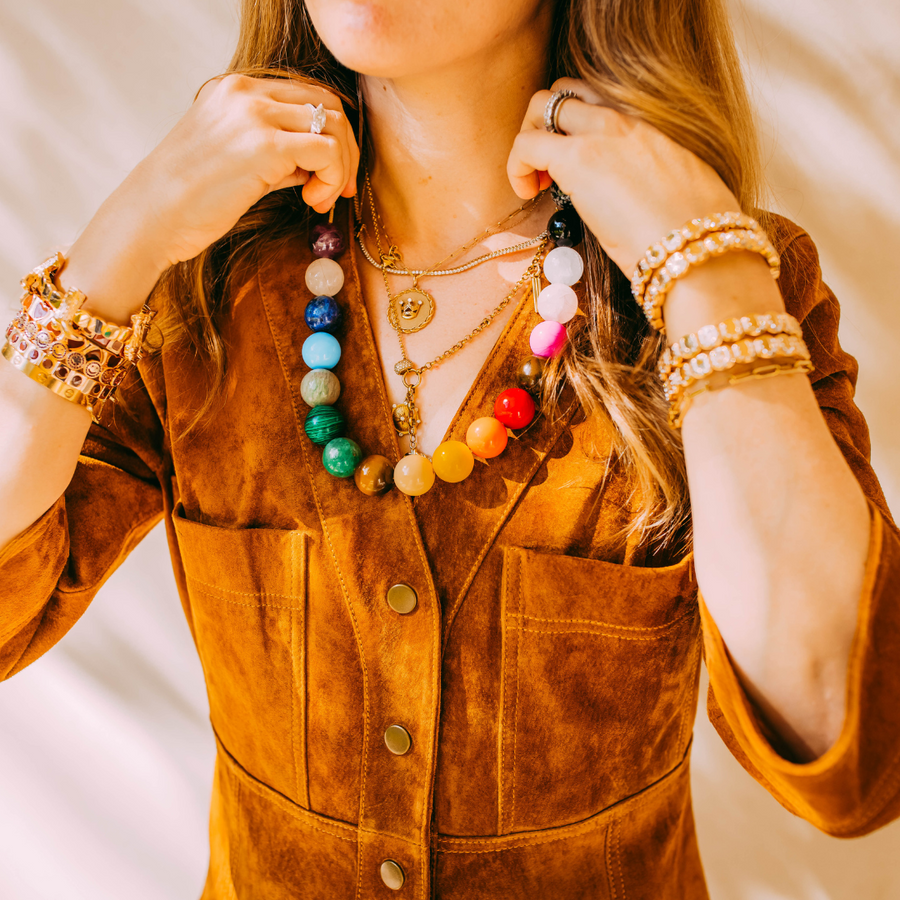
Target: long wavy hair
[672, 63]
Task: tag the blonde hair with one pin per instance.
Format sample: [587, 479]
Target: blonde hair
[672, 63]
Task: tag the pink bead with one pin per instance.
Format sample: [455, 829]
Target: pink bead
[547, 339]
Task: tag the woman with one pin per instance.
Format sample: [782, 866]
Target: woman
[487, 691]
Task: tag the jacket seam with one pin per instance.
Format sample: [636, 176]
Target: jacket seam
[222, 590]
[608, 625]
[214, 596]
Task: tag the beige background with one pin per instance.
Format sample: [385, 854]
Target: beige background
[105, 753]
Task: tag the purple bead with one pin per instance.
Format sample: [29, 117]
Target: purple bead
[323, 314]
[327, 241]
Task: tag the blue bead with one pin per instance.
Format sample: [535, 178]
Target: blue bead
[323, 314]
[321, 351]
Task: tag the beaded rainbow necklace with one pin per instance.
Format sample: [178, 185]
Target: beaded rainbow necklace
[487, 436]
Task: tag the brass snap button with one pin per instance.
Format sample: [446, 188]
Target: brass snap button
[398, 740]
[392, 874]
[402, 599]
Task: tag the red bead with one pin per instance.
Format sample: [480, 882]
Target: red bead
[514, 408]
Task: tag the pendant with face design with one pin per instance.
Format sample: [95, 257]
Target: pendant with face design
[404, 417]
[411, 309]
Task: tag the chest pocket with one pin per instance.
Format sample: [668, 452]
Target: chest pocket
[247, 591]
[600, 665]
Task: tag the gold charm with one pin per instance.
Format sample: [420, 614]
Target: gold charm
[403, 419]
[411, 310]
[403, 365]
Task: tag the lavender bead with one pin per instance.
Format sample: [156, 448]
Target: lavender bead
[326, 241]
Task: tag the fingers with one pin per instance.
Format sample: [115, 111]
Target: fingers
[535, 159]
[322, 154]
[334, 163]
[580, 88]
[573, 116]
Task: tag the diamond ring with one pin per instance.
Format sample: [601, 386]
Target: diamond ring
[317, 126]
[551, 110]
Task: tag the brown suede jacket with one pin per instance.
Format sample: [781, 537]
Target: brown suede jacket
[548, 675]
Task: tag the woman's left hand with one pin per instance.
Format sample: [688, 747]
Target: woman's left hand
[629, 182]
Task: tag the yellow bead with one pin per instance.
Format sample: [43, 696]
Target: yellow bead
[453, 461]
[413, 475]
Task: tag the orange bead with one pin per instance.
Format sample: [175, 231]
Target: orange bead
[413, 475]
[487, 437]
[453, 461]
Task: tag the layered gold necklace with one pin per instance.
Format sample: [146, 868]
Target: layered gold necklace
[411, 309]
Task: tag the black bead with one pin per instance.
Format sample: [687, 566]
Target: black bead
[565, 227]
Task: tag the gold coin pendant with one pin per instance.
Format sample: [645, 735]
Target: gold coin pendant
[411, 309]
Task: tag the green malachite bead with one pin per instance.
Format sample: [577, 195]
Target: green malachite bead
[324, 423]
[341, 457]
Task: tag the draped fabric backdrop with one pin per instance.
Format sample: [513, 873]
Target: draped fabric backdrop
[105, 751]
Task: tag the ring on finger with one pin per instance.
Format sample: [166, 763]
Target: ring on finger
[551, 110]
[317, 125]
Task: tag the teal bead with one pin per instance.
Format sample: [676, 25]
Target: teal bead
[341, 457]
[321, 350]
[324, 423]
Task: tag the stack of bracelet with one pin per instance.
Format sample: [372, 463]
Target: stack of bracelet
[691, 365]
[754, 346]
[62, 347]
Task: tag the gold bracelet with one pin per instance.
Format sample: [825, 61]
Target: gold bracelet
[82, 368]
[77, 389]
[727, 356]
[661, 268]
[728, 332]
[657, 254]
[126, 340]
[682, 403]
[62, 345]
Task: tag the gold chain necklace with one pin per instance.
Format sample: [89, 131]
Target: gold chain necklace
[412, 309]
[406, 415]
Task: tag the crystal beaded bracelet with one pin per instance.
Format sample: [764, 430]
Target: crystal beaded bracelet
[695, 243]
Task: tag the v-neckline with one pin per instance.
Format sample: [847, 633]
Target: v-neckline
[486, 366]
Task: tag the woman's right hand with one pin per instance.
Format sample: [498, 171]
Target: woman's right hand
[242, 138]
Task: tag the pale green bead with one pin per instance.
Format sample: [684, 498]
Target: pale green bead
[320, 387]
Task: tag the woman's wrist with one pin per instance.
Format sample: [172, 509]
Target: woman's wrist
[734, 285]
[117, 260]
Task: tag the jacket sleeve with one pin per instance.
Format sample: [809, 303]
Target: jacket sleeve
[52, 570]
[854, 787]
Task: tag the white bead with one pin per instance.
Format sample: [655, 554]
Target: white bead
[324, 277]
[563, 265]
[558, 303]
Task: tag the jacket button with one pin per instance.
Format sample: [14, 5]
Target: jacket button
[392, 874]
[398, 740]
[402, 599]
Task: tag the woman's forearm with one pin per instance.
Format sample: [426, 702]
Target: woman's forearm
[781, 525]
[114, 264]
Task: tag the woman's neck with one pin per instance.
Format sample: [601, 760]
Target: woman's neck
[441, 142]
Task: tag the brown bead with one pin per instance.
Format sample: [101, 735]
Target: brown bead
[374, 475]
[529, 374]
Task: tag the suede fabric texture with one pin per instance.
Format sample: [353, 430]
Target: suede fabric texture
[548, 675]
